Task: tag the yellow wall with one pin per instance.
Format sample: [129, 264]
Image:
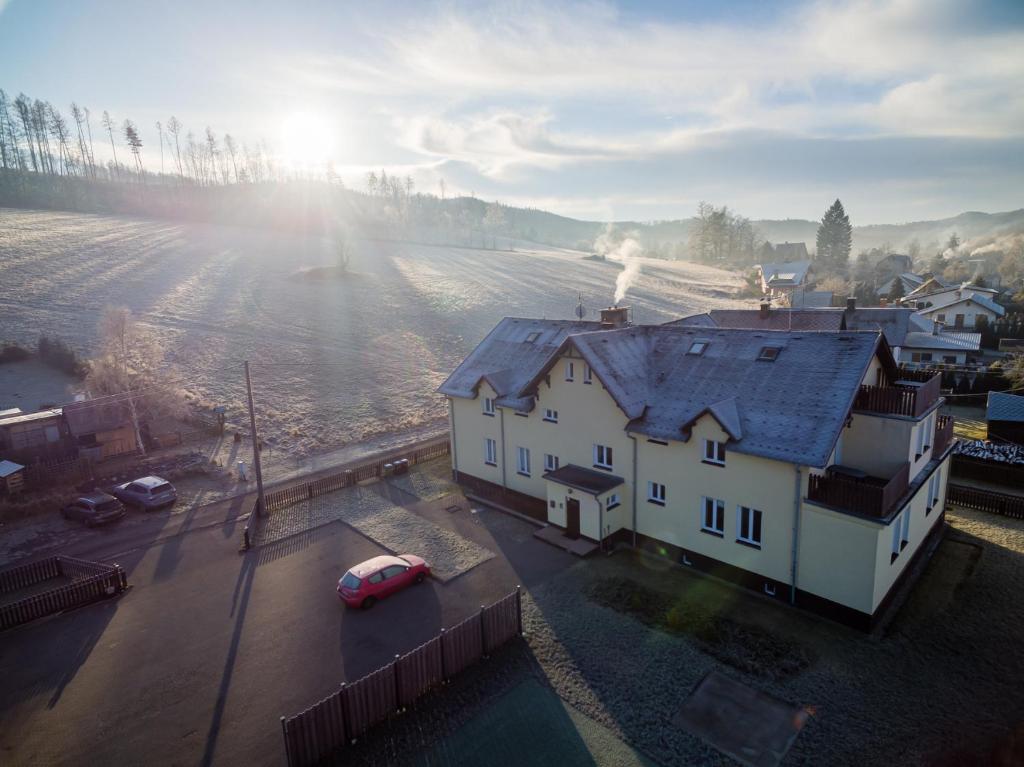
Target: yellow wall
[471, 427]
[881, 445]
[744, 480]
[837, 557]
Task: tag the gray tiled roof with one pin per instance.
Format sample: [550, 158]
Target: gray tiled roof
[1005, 407]
[968, 342]
[582, 478]
[777, 319]
[507, 360]
[790, 272]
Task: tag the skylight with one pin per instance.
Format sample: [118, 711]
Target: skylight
[532, 337]
[769, 353]
[698, 347]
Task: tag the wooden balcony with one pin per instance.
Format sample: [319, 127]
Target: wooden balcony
[870, 496]
[908, 397]
[943, 434]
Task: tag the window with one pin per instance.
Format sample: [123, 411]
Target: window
[602, 457]
[958, 321]
[523, 462]
[940, 318]
[769, 589]
[612, 502]
[376, 577]
[393, 570]
[550, 462]
[490, 452]
[551, 416]
[905, 531]
[656, 493]
[587, 374]
[929, 431]
[657, 442]
[714, 452]
[769, 353]
[532, 337]
[698, 347]
[938, 486]
[748, 526]
[488, 406]
[570, 370]
[921, 429]
[713, 520]
[949, 359]
[896, 526]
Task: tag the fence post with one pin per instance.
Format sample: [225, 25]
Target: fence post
[444, 673]
[398, 685]
[483, 633]
[519, 608]
[287, 745]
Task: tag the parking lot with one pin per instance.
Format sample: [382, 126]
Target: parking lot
[197, 662]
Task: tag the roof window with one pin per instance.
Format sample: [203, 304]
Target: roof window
[532, 337]
[769, 353]
[698, 347]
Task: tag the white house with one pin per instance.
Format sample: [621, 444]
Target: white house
[964, 307]
[800, 464]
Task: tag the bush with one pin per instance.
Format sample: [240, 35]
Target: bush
[58, 354]
[12, 352]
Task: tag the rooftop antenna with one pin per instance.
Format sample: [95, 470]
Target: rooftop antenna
[580, 311]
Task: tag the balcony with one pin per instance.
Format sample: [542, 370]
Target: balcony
[850, 490]
[907, 397]
[943, 434]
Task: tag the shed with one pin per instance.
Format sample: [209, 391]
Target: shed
[103, 426]
[1005, 416]
[11, 477]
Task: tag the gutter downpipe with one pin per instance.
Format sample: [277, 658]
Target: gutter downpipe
[600, 523]
[634, 487]
[796, 530]
[455, 451]
[501, 418]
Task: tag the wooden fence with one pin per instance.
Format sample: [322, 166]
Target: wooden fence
[986, 500]
[90, 581]
[279, 499]
[996, 472]
[325, 728]
[72, 471]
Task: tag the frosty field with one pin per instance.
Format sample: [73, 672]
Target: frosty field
[335, 361]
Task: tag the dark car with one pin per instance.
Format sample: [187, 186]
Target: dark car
[380, 577]
[94, 509]
[147, 493]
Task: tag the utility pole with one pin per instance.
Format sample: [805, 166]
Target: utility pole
[255, 444]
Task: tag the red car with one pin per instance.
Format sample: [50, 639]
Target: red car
[380, 577]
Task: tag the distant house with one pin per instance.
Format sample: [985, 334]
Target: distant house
[966, 307]
[911, 282]
[790, 251]
[102, 427]
[26, 437]
[1005, 416]
[928, 287]
[811, 299]
[785, 278]
[893, 264]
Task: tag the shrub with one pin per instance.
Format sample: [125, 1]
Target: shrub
[13, 352]
[58, 354]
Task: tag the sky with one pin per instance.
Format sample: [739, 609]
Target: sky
[906, 110]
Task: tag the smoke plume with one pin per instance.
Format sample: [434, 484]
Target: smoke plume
[618, 246]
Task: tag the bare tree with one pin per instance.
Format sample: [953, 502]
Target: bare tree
[8, 141]
[79, 117]
[229, 144]
[131, 137]
[174, 129]
[23, 107]
[61, 134]
[92, 153]
[107, 123]
[160, 135]
[212, 152]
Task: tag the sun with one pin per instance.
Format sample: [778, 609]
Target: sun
[308, 139]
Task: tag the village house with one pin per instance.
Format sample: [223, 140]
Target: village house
[786, 278]
[964, 307]
[1005, 416]
[801, 464]
[27, 437]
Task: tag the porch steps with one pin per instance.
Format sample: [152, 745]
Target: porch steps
[581, 547]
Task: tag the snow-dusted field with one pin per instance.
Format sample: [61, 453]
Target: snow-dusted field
[335, 361]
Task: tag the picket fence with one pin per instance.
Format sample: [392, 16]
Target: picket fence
[326, 727]
[279, 499]
[91, 581]
[986, 500]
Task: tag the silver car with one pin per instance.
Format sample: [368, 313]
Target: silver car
[147, 493]
[94, 509]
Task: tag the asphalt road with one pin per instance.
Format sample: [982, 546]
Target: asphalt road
[199, 659]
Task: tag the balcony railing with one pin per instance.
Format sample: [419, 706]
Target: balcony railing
[943, 434]
[870, 496]
[900, 399]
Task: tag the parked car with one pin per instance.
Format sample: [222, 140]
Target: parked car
[380, 577]
[147, 493]
[94, 509]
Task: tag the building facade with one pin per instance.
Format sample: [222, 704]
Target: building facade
[800, 464]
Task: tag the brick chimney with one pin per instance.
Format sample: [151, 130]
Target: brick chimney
[766, 309]
[615, 317]
[851, 303]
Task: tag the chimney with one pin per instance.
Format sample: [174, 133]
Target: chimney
[615, 317]
[851, 303]
[766, 309]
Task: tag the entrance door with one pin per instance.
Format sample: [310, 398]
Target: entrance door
[572, 518]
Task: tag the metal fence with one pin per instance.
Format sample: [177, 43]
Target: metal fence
[324, 728]
[279, 499]
[90, 581]
[986, 500]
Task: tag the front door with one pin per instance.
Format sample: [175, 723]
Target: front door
[572, 518]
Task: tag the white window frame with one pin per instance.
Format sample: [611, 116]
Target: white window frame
[919, 450]
[897, 524]
[929, 431]
[905, 533]
[937, 476]
[698, 347]
[490, 452]
[656, 493]
[612, 502]
[551, 416]
[603, 456]
[550, 462]
[570, 370]
[523, 461]
[488, 406]
[718, 515]
[753, 514]
[587, 374]
[717, 456]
